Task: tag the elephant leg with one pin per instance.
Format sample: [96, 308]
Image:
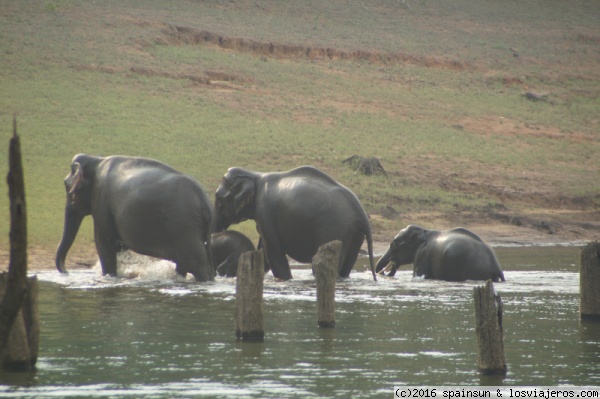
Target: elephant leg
[210, 265]
[258, 248]
[106, 245]
[500, 274]
[194, 259]
[349, 255]
[228, 267]
[496, 272]
[277, 260]
[181, 271]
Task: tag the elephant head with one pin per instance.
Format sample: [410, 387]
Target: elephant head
[78, 186]
[235, 198]
[403, 248]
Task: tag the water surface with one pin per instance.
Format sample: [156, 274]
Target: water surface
[151, 334]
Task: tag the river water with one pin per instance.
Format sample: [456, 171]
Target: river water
[151, 334]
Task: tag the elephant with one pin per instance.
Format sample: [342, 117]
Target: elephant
[139, 204]
[227, 246]
[295, 212]
[452, 255]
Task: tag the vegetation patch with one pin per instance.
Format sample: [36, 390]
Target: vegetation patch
[434, 91]
[187, 35]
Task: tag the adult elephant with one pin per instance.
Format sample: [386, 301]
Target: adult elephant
[295, 213]
[140, 204]
[452, 255]
[227, 246]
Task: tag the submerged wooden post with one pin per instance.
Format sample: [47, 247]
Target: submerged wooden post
[21, 349]
[19, 325]
[589, 282]
[249, 319]
[325, 266]
[490, 340]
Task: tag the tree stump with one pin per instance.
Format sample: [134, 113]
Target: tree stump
[589, 278]
[249, 319]
[19, 325]
[366, 166]
[325, 266]
[21, 350]
[490, 340]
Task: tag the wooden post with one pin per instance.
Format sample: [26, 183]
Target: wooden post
[490, 343]
[19, 326]
[589, 279]
[249, 319]
[21, 350]
[325, 266]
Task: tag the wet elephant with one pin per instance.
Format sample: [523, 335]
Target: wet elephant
[140, 204]
[452, 255]
[227, 246]
[295, 213]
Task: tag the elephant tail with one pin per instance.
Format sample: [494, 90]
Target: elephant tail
[369, 236]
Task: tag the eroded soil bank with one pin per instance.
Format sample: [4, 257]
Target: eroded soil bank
[82, 256]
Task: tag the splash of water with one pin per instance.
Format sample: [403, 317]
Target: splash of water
[131, 265]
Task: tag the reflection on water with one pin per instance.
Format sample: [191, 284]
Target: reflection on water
[152, 334]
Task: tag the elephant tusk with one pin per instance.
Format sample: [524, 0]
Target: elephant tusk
[387, 269]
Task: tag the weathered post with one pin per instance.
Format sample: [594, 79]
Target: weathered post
[249, 319]
[21, 349]
[490, 342]
[19, 325]
[589, 277]
[325, 266]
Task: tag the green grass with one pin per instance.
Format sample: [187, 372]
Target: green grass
[68, 70]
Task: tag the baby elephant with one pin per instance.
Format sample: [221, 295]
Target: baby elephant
[452, 255]
[227, 247]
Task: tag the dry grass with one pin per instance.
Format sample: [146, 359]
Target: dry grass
[434, 90]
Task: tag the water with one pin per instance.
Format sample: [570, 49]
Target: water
[155, 335]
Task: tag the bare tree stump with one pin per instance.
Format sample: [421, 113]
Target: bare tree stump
[19, 325]
[249, 319]
[589, 277]
[21, 351]
[490, 340]
[366, 166]
[325, 266]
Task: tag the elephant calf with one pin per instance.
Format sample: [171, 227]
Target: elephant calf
[227, 247]
[452, 255]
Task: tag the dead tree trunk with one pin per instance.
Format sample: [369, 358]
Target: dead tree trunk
[325, 266]
[490, 340]
[589, 277]
[18, 306]
[249, 319]
[21, 349]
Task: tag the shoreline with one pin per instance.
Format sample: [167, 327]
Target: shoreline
[83, 256]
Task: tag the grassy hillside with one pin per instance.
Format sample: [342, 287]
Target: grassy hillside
[434, 89]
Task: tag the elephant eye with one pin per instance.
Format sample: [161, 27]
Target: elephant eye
[221, 192]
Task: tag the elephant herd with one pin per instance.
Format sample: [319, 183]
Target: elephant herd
[150, 208]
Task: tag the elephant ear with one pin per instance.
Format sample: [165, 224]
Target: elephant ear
[244, 194]
[75, 182]
[417, 235]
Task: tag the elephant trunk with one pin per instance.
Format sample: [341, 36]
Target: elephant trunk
[73, 220]
[383, 262]
[222, 222]
[220, 225]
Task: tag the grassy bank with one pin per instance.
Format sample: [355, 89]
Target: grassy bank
[448, 119]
